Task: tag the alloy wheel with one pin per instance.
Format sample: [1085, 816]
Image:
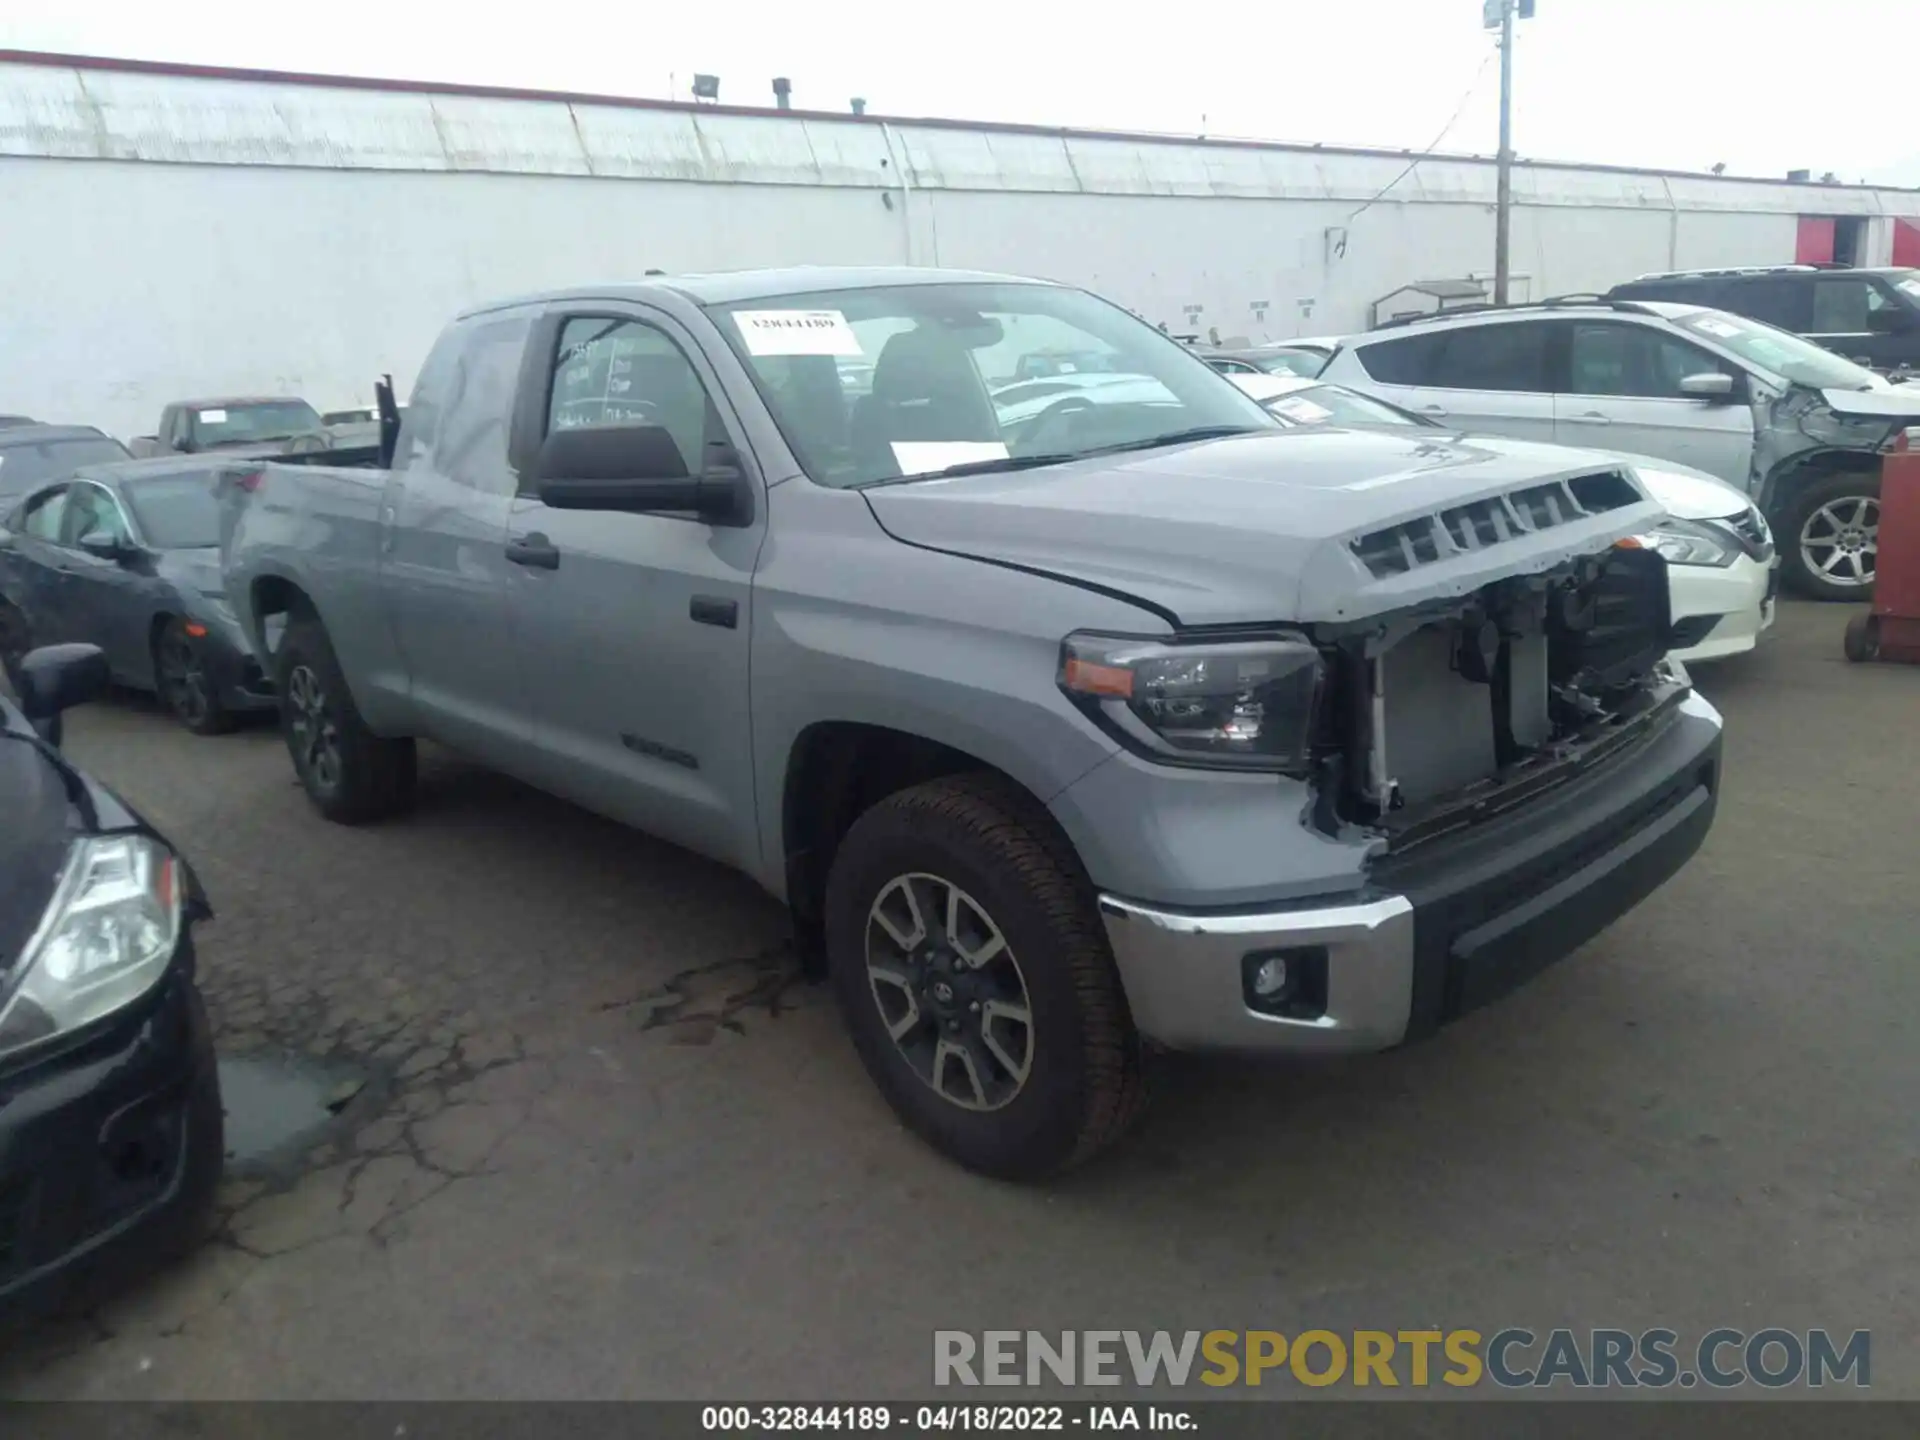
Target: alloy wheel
[311, 732]
[183, 680]
[950, 992]
[1840, 541]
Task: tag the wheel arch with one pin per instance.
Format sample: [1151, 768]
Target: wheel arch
[836, 771]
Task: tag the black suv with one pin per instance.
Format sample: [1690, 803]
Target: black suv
[1869, 316]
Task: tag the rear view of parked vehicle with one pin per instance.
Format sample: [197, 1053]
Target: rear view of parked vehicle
[126, 557]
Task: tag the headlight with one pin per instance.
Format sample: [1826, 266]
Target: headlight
[108, 935]
[1241, 705]
[1692, 542]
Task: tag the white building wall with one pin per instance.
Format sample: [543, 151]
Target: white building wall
[165, 235]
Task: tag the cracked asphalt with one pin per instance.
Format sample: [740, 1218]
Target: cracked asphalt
[608, 1145]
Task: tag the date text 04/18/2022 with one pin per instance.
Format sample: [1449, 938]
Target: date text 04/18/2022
[936, 1419]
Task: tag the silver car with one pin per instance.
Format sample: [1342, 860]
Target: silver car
[1800, 429]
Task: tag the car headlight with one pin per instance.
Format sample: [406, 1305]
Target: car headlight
[107, 937]
[1692, 542]
[1239, 705]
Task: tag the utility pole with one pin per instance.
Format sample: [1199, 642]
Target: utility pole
[1502, 13]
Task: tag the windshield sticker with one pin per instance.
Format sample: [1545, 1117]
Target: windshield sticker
[213, 417]
[1295, 408]
[796, 332]
[1912, 287]
[923, 457]
[1709, 326]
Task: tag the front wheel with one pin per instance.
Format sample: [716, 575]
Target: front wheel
[1829, 537]
[185, 683]
[968, 959]
[349, 773]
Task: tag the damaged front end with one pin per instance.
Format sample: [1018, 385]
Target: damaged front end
[1796, 428]
[1446, 716]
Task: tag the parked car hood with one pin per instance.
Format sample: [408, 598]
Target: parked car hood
[34, 841]
[1895, 402]
[1686, 493]
[1261, 527]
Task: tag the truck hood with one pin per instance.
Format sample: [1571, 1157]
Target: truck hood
[1308, 526]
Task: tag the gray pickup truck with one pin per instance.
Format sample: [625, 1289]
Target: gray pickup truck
[1128, 723]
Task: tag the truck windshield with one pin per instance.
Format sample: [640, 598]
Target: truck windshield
[1779, 353]
[175, 512]
[898, 382]
[251, 422]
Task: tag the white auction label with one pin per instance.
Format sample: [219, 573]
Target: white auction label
[213, 417]
[796, 332]
[926, 457]
[1304, 411]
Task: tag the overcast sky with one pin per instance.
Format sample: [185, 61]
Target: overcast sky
[1763, 86]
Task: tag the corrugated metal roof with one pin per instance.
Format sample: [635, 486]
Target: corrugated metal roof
[80, 107]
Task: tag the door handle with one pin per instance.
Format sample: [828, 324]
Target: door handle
[1593, 417]
[535, 551]
[712, 610]
[1433, 409]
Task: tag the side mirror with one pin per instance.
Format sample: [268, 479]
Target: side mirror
[54, 679]
[637, 468]
[1709, 386]
[1891, 321]
[102, 546]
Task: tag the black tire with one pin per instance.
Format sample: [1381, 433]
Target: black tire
[1801, 571]
[1861, 642]
[1083, 1083]
[361, 776]
[185, 683]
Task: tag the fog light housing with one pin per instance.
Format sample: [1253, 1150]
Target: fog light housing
[1290, 983]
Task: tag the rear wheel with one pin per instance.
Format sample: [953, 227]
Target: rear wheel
[976, 979]
[349, 773]
[1830, 537]
[184, 682]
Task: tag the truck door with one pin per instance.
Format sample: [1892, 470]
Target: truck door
[444, 569]
[636, 626]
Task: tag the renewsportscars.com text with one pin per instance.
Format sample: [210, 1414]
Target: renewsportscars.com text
[1512, 1358]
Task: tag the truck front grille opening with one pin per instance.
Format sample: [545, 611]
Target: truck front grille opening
[1493, 520]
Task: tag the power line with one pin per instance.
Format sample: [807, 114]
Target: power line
[1445, 130]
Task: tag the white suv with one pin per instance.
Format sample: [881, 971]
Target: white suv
[1795, 426]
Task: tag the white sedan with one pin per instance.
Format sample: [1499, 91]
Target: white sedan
[1722, 568]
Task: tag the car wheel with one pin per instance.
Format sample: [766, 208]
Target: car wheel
[967, 956]
[1830, 537]
[349, 773]
[185, 684]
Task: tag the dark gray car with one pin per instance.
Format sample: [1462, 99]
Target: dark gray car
[32, 455]
[125, 557]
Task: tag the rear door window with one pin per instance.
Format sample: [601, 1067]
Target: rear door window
[1778, 300]
[1408, 360]
[1510, 357]
[40, 517]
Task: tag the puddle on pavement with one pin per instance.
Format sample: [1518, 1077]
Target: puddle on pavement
[277, 1104]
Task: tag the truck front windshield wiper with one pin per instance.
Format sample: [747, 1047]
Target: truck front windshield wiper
[1177, 437]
